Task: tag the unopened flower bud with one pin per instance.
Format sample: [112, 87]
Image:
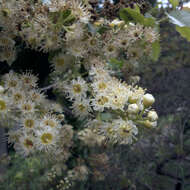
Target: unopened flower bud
[152, 116]
[116, 22]
[133, 108]
[132, 99]
[150, 124]
[148, 100]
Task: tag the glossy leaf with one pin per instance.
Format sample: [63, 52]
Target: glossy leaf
[184, 31]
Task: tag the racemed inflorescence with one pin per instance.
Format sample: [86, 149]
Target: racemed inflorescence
[108, 109]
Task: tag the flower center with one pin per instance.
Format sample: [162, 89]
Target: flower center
[12, 83]
[110, 48]
[27, 80]
[17, 97]
[46, 138]
[60, 62]
[102, 100]
[27, 107]
[102, 86]
[49, 123]
[28, 143]
[77, 88]
[93, 42]
[2, 105]
[29, 123]
[125, 130]
[81, 107]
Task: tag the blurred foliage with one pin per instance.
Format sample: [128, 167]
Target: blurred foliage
[169, 77]
[24, 173]
[159, 160]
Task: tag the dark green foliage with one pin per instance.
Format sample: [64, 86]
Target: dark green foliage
[25, 173]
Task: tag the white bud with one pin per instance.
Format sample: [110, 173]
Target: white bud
[1, 89]
[116, 22]
[133, 108]
[132, 99]
[152, 116]
[148, 100]
[149, 124]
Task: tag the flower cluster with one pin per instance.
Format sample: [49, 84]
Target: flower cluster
[7, 48]
[67, 25]
[31, 119]
[42, 25]
[107, 108]
[100, 95]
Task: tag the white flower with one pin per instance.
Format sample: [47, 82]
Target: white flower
[118, 95]
[77, 89]
[29, 122]
[100, 102]
[4, 106]
[119, 131]
[99, 72]
[76, 32]
[25, 146]
[77, 48]
[18, 96]
[110, 50]
[49, 120]
[8, 55]
[6, 41]
[125, 131]
[29, 80]
[81, 108]
[36, 96]
[100, 86]
[12, 80]
[46, 139]
[80, 10]
[27, 107]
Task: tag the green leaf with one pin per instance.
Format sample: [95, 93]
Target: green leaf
[116, 63]
[102, 29]
[137, 9]
[174, 3]
[62, 17]
[149, 22]
[184, 31]
[124, 15]
[180, 18]
[128, 14]
[156, 50]
[106, 116]
[134, 15]
[182, 21]
[65, 14]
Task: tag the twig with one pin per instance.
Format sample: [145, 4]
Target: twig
[48, 87]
